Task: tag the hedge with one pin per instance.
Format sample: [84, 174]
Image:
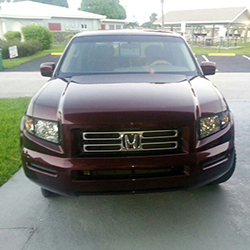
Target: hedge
[13, 36]
[24, 49]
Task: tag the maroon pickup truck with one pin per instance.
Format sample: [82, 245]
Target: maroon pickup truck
[127, 112]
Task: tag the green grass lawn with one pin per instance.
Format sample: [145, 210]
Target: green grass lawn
[206, 50]
[11, 111]
[11, 63]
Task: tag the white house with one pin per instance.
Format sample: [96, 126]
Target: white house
[14, 16]
[112, 24]
[222, 21]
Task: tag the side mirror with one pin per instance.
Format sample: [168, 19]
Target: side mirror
[208, 68]
[47, 69]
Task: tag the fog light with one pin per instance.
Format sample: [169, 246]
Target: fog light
[86, 172]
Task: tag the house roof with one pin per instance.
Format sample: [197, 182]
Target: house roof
[35, 10]
[206, 16]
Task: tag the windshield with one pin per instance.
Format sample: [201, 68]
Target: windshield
[127, 54]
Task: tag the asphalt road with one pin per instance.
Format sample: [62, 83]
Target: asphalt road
[231, 64]
[204, 219]
[34, 65]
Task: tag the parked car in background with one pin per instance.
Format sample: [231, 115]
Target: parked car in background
[127, 112]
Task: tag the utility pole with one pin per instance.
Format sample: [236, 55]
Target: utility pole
[162, 13]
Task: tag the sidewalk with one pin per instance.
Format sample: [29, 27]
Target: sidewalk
[20, 84]
[19, 215]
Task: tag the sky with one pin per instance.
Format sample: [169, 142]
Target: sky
[140, 10]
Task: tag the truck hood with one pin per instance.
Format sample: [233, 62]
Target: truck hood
[126, 103]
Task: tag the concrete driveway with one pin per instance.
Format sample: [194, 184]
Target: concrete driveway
[207, 218]
[25, 79]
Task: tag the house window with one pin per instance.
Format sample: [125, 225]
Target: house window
[118, 27]
[111, 27]
[55, 26]
[84, 26]
[16, 26]
[74, 25]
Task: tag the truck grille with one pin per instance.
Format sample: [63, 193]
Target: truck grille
[130, 141]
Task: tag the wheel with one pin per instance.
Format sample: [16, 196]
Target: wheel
[225, 177]
[46, 193]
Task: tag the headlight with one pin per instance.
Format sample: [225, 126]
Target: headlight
[212, 124]
[47, 130]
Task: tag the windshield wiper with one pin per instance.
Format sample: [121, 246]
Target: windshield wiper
[65, 78]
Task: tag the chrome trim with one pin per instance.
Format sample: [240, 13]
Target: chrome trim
[127, 141]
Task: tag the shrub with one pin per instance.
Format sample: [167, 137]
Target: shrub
[24, 49]
[61, 37]
[29, 48]
[13, 36]
[38, 33]
[68, 37]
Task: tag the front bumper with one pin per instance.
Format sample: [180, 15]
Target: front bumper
[55, 173]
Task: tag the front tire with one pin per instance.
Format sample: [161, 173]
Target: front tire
[46, 193]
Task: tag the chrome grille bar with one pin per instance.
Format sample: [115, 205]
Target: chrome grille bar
[125, 141]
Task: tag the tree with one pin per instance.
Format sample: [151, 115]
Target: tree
[153, 17]
[62, 3]
[110, 8]
[131, 25]
[150, 24]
